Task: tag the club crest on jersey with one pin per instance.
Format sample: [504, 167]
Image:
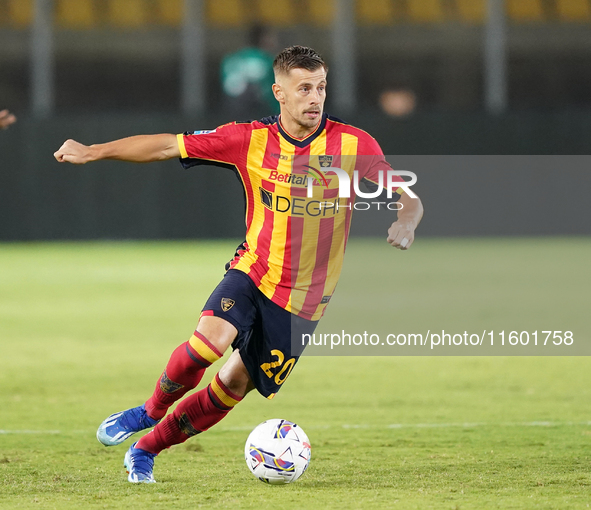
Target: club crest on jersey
[227, 303]
[325, 161]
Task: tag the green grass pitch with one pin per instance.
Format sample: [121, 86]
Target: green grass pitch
[86, 328]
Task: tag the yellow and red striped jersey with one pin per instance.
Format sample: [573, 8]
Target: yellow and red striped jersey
[295, 244]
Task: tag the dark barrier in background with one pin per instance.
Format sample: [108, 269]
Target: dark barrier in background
[41, 199]
[491, 195]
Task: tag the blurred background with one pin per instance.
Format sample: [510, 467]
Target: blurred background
[424, 77]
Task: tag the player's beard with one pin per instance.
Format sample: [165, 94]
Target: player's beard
[310, 122]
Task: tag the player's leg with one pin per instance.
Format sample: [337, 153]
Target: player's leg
[228, 311]
[195, 414]
[183, 372]
[263, 358]
[200, 411]
[188, 363]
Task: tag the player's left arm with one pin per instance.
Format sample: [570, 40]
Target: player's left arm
[402, 232]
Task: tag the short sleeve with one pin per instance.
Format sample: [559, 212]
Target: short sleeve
[376, 163]
[221, 145]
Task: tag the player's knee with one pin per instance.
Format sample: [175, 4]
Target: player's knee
[237, 382]
[219, 333]
[235, 376]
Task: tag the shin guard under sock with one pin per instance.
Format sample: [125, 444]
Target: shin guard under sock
[182, 373]
[192, 416]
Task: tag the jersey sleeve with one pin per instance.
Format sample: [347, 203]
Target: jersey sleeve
[222, 145]
[376, 163]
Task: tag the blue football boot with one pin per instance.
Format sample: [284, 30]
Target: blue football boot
[119, 426]
[139, 465]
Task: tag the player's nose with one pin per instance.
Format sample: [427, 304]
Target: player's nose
[315, 97]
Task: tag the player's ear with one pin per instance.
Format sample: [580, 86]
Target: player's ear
[278, 93]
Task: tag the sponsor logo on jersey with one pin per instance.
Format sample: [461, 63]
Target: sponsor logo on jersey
[317, 175]
[204, 132]
[267, 198]
[298, 179]
[299, 206]
[227, 303]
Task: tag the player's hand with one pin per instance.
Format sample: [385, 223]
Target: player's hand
[73, 152]
[6, 119]
[401, 235]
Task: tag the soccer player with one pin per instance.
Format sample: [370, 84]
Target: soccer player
[281, 278]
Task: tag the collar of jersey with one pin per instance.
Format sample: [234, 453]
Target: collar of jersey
[303, 142]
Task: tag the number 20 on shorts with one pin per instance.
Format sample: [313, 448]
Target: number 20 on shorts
[285, 370]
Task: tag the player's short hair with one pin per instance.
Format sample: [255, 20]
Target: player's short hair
[298, 57]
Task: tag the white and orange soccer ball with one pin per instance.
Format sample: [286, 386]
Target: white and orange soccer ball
[277, 452]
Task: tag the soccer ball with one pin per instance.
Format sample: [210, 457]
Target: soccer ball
[277, 452]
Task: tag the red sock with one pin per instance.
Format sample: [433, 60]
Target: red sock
[182, 373]
[194, 415]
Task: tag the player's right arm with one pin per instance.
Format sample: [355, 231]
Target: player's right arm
[136, 149]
